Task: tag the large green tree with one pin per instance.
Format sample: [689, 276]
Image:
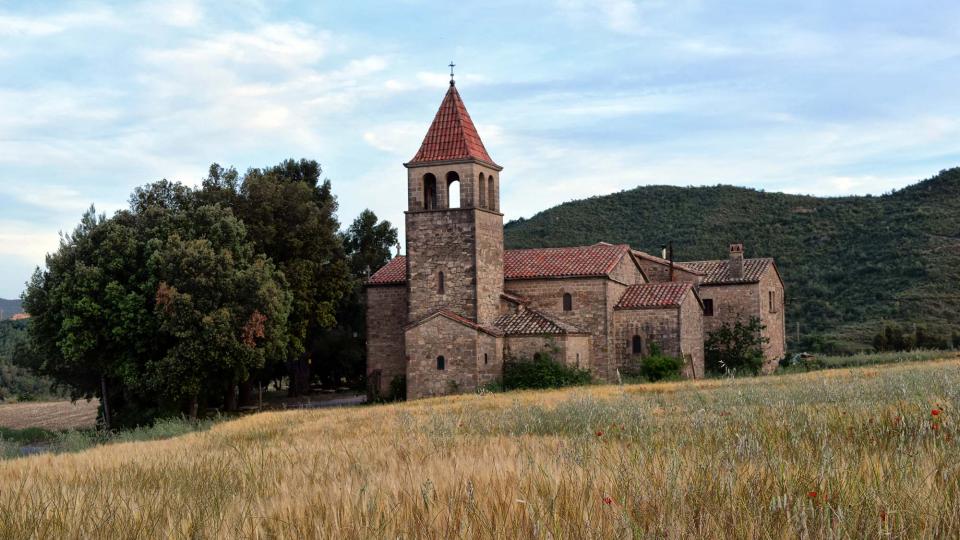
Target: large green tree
[153, 309]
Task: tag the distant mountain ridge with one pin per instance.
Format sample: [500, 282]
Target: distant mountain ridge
[9, 308]
[850, 264]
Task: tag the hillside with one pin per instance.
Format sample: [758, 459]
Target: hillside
[9, 308]
[704, 459]
[850, 264]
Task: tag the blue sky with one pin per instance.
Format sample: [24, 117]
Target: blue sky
[574, 98]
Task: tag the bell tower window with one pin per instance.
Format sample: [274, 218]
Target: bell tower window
[491, 193]
[453, 190]
[482, 190]
[429, 191]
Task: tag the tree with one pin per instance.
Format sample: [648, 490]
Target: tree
[290, 215]
[367, 243]
[152, 305]
[736, 348]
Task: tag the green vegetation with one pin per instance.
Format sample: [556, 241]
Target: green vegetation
[182, 302]
[652, 368]
[542, 371]
[17, 382]
[36, 440]
[851, 265]
[735, 348]
[861, 359]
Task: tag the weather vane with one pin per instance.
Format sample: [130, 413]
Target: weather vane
[452, 65]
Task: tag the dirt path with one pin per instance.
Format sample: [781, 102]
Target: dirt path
[52, 415]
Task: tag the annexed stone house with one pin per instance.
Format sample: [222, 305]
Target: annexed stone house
[732, 289]
[447, 314]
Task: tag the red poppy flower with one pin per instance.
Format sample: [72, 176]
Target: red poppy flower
[935, 412]
[935, 427]
[883, 515]
[607, 499]
[812, 494]
[599, 434]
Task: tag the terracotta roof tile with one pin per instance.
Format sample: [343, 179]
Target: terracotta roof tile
[654, 295]
[394, 272]
[452, 134]
[526, 321]
[583, 261]
[718, 272]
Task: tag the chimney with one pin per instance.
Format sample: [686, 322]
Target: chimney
[736, 261]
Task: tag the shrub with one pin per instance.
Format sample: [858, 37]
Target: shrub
[736, 348]
[541, 372]
[398, 388]
[659, 367]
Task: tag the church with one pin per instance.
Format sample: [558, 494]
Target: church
[444, 317]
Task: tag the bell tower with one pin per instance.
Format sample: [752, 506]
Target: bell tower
[454, 228]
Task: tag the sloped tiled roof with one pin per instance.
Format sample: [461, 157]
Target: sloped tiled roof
[666, 262]
[452, 134]
[526, 321]
[455, 318]
[654, 295]
[394, 272]
[718, 272]
[583, 261]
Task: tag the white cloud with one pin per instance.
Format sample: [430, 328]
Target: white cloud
[24, 241]
[180, 13]
[42, 26]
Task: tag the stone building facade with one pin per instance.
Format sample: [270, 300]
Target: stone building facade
[446, 316]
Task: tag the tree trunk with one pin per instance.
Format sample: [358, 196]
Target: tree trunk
[230, 398]
[105, 401]
[246, 393]
[194, 405]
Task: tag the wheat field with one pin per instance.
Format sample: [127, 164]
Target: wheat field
[868, 452]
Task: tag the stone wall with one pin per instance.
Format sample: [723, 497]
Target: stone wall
[489, 263]
[457, 343]
[657, 272]
[743, 301]
[570, 349]
[771, 288]
[591, 311]
[692, 336]
[660, 326]
[386, 317]
[489, 359]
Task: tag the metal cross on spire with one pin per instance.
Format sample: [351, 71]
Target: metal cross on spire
[452, 65]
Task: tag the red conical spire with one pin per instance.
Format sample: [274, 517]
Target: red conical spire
[452, 135]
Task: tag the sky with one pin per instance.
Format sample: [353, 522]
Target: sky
[573, 98]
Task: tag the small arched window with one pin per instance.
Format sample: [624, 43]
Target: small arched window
[491, 193]
[482, 190]
[441, 363]
[429, 191]
[441, 283]
[637, 345]
[567, 302]
[453, 190]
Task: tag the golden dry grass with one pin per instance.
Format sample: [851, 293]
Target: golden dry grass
[711, 459]
[52, 415]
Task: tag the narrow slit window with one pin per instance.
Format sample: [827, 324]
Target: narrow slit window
[441, 283]
[441, 363]
[567, 302]
[708, 307]
[637, 345]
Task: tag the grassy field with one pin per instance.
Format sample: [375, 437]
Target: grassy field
[50, 415]
[836, 453]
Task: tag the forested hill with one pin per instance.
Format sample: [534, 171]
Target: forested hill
[9, 308]
[850, 264]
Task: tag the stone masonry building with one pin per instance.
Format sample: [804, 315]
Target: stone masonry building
[446, 315]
